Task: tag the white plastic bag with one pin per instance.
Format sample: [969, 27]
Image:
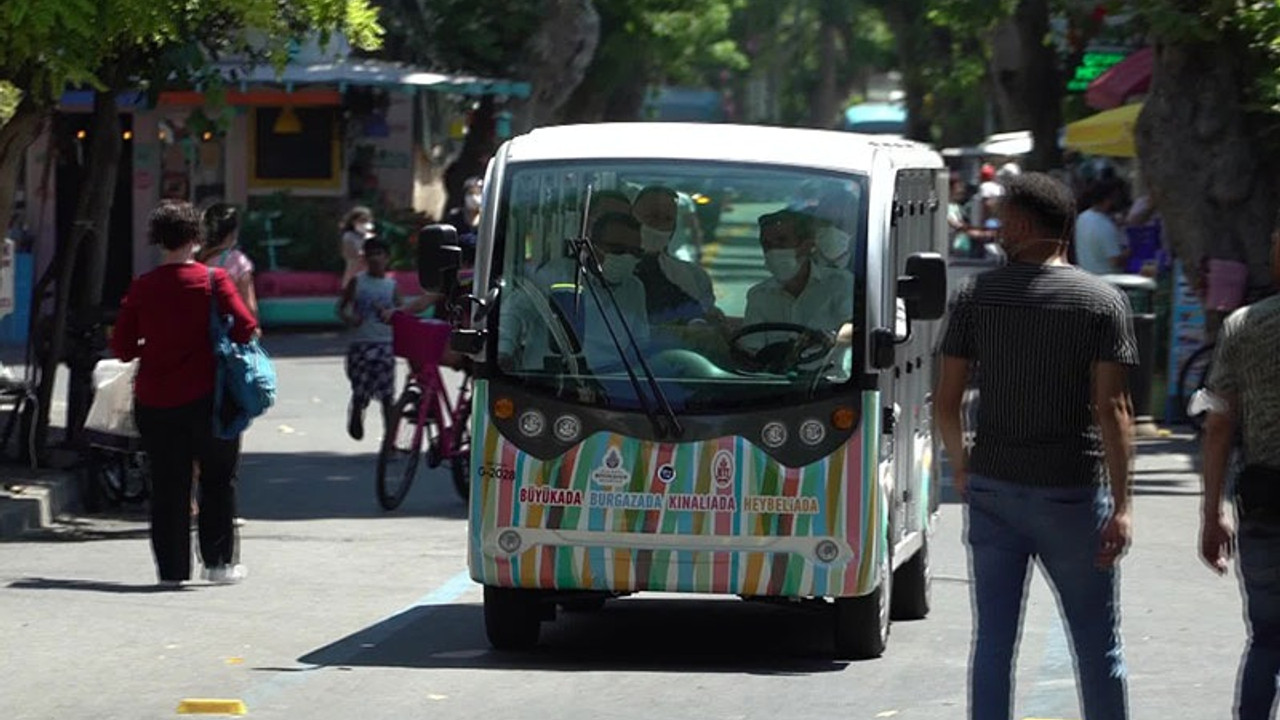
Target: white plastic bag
[112, 409]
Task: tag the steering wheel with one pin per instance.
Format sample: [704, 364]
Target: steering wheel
[810, 345]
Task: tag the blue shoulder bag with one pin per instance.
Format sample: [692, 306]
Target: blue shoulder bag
[244, 378]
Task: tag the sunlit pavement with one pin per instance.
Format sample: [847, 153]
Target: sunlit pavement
[352, 612]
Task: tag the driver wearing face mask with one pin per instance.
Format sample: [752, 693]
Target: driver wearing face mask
[802, 289]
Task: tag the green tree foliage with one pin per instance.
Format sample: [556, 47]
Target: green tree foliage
[485, 37]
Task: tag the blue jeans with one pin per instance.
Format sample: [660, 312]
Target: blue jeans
[1008, 526]
[1259, 547]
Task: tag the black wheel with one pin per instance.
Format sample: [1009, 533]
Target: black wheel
[120, 477]
[588, 604]
[460, 464]
[398, 456]
[1193, 376]
[511, 618]
[912, 582]
[862, 623]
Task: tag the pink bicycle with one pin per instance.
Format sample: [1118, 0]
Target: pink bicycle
[424, 414]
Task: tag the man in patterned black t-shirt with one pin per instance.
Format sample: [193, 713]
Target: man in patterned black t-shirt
[1051, 344]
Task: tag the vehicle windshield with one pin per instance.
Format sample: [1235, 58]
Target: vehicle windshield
[741, 285]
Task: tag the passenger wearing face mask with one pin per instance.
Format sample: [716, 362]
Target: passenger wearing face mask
[616, 238]
[356, 227]
[801, 290]
[832, 247]
[678, 291]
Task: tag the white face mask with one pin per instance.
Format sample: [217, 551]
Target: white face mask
[365, 227]
[833, 246]
[617, 267]
[473, 201]
[654, 240]
[783, 264]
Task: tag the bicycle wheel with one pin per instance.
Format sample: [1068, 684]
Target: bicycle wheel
[399, 454]
[460, 465]
[1193, 376]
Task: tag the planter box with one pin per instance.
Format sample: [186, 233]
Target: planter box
[288, 297]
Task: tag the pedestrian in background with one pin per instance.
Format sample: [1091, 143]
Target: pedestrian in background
[1244, 387]
[1051, 345]
[165, 322]
[356, 227]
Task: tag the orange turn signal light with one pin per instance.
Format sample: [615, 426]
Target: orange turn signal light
[842, 418]
[504, 409]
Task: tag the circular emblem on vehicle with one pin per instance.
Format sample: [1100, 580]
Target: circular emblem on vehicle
[722, 468]
[568, 428]
[666, 473]
[774, 435]
[812, 432]
[532, 423]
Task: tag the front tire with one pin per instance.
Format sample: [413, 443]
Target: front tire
[912, 585]
[512, 620]
[398, 456]
[862, 623]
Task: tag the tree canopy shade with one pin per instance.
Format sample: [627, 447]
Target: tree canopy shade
[114, 45]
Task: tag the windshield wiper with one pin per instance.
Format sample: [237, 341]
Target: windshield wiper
[584, 255]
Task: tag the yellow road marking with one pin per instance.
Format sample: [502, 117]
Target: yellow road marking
[211, 706]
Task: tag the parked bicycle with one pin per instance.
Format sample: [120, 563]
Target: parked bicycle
[1192, 377]
[423, 415]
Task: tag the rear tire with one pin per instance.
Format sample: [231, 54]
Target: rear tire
[589, 604]
[398, 457]
[512, 620]
[862, 623]
[912, 584]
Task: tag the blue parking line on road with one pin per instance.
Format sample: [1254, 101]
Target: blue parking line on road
[348, 648]
[1053, 690]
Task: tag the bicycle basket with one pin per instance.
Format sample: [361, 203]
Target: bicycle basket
[419, 340]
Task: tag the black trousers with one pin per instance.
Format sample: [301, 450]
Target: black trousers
[174, 438]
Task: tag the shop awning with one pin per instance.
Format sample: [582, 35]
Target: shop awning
[365, 72]
[317, 83]
[1129, 77]
[1108, 133]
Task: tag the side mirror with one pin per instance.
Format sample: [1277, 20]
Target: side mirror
[437, 264]
[924, 287]
[883, 341]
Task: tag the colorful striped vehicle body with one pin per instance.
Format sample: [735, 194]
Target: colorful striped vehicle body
[619, 514]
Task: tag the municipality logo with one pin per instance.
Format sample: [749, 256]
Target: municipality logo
[611, 473]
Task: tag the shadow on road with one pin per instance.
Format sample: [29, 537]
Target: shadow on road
[627, 635]
[304, 342]
[314, 485]
[90, 586]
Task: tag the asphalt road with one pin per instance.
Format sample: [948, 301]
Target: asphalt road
[352, 612]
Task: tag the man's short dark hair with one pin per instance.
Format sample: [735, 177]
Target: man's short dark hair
[804, 223]
[175, 224]
[374, 245]
[1046, 201]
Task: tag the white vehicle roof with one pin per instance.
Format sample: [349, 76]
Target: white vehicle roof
[757, 144]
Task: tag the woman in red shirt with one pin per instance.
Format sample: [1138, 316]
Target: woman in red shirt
[164, 321]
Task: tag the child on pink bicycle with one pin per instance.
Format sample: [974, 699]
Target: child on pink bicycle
[366, 305]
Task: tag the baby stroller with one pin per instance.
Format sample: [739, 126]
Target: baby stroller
[116, 469]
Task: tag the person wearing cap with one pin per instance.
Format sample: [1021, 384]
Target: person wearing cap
[801, 290]
[989, 192]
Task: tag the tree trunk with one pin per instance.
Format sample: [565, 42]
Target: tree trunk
[477, 148]
[15, 137]
[557, 57]
[1211, 179]
[824, 106]
[1028, 81]
[910, 26]
[83, 259]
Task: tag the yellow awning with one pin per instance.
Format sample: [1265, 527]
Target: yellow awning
[1107, 133]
